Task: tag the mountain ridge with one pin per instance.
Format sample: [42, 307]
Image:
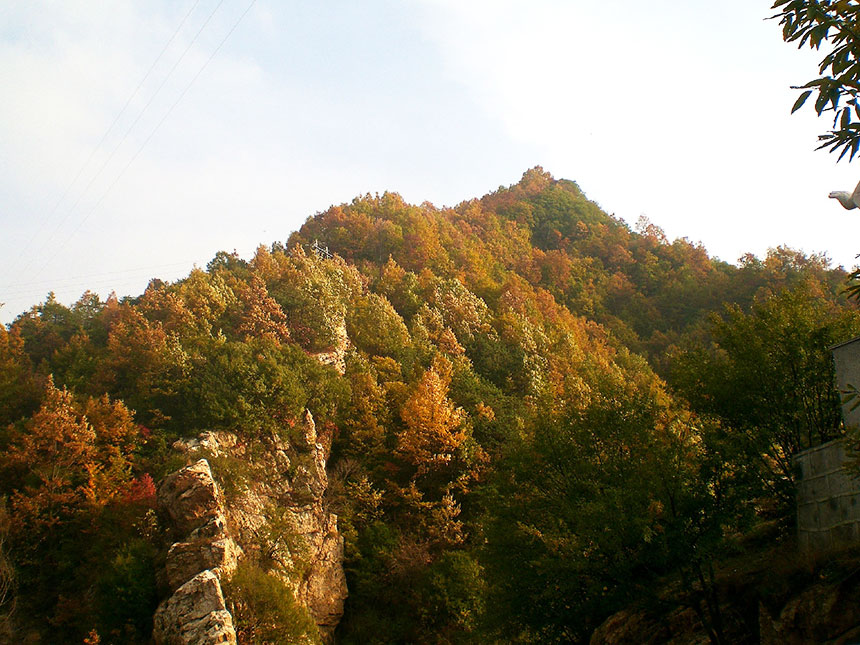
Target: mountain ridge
[536, 416]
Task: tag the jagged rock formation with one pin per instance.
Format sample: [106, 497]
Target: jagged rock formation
[275, 514]
[631, 627]
[196, 612]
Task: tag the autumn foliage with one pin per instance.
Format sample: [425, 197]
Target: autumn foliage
[434, 426]
[537, 414]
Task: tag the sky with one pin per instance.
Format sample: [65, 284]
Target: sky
[137, 139]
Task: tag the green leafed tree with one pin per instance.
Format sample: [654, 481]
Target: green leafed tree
[769, 377]
[832, 27]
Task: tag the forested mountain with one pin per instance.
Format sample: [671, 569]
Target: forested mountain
[536, 416]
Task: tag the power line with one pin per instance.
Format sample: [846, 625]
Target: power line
[104, 137]
[113, 152]
[130, 284]
[155, 129]
[91, 285]
[75, 280]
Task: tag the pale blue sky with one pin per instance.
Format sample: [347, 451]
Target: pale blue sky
[678, 111]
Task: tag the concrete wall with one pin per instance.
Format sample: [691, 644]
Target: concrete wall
[828, 498]
[846, 359]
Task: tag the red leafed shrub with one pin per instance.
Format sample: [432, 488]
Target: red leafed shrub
[142, 491]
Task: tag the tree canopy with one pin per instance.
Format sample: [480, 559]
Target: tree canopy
[831, 26]
[539, 416]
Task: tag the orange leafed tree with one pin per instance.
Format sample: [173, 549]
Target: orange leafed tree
[69, 459]
[434, 426]
[19, 386]
[261, 316]
[74, 505]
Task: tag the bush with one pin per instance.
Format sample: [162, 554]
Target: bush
[265, 610]
[257, 386]
[127, 592]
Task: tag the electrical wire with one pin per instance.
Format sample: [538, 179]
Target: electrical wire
[71, 281]
[113, 152]
[158, 125]
[45, 219]
[129, 282]
[235, 25]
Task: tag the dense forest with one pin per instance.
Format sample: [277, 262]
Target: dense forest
[543, 417]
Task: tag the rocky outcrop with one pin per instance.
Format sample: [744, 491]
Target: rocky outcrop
[194, 508]
[210, 442]
[275, 514]
[190, 498]
[823, 613]
[336, 357]
[287, 491]
[195, 615]
[641, 627]
[822, 608]
[187, 559]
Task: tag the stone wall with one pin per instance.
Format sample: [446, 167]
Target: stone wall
[828, 498]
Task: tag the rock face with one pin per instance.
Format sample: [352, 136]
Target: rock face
[286, 491]
[195, 613]
[337, 356]
[275, 514]
[823, 613]
[819, 612]
[190, 498]
[187, 559]
[631, 627]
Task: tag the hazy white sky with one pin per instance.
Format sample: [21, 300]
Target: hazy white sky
[675, 110]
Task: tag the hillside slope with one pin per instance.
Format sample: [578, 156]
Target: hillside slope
[533, 413]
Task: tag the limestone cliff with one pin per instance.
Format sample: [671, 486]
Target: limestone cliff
[195, 614]
[271, 510]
